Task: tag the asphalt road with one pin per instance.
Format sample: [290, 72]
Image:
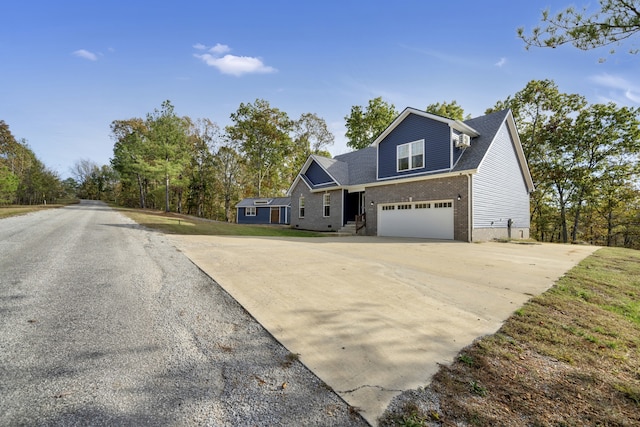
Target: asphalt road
[105, 323]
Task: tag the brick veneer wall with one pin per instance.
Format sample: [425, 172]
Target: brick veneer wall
[313, 219]
[431, 189]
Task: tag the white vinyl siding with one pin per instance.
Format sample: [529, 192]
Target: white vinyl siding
[499, 189]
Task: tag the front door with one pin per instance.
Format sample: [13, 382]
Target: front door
[275, 215]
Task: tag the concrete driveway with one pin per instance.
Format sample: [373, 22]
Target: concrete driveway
[374, 316]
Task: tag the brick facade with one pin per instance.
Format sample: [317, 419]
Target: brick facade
[314, 219]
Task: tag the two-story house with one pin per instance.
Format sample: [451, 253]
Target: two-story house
[425, 176]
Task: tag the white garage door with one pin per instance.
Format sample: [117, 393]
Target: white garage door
[431, 220]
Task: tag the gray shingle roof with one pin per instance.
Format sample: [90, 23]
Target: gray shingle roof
[359, 167]
[487, 126]
[272, 201]
[337, 169]
[362, 165]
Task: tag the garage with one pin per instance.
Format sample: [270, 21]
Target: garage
[426, 219]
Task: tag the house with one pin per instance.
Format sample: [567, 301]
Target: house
[275, 210]
[425, 176]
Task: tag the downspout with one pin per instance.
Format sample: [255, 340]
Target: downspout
[469, 209]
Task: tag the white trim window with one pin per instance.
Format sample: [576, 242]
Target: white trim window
[326, 204]
[301, 207]
[410, 156]
[250, 211]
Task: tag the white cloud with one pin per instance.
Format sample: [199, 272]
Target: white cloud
[82, 53]
[220, 49]
[199, 46]
[232, 64]
[500, 63]
[633, 97]
[621, 90]
[236, 65]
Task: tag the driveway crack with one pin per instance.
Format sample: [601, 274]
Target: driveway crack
[369, 386]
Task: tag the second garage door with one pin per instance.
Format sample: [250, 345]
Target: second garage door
[431, 220]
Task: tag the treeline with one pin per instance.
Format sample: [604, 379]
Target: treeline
[583, 159]
[24, 179]
[584, 162]
[165, 161]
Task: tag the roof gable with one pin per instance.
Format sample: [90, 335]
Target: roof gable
[454, 124]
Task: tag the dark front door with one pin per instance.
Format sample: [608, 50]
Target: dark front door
[275, 215]
[353, 205]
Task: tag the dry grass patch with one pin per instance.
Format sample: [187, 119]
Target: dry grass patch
[568, 357]
[173, 223]
[15, 210]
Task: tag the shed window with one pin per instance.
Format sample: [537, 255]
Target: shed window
[326, 204]
[250, 211]
[301, 207]
[411, 155]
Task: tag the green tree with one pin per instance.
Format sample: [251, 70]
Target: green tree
[261, 133]
[602, 133]
[613, 22]
[450, 110]
[8, 185]
[168, 136]
[573, 150]
[204, 137]
[132, 157]
[311, 135]
[542, 114]
[364, 124]
[228, 169]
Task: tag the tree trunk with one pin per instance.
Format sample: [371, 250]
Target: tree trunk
[141, 191]
[609, 228]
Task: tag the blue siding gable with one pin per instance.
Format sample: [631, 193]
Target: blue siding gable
[437, 146]
[317, 175]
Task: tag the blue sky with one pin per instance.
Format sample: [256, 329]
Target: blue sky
[69, 68]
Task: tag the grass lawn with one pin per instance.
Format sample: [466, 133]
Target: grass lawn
[173, 223]
[569, 357]
[14, 210]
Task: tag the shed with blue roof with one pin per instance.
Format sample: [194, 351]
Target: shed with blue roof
[276, 210]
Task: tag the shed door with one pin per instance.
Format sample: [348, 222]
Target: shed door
[275, 215]
[429, 219]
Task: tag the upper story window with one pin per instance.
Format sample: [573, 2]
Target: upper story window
[411, 155]
[326, 204]
[301, 207]
[250, 211]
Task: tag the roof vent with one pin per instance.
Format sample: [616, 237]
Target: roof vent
[463, 141]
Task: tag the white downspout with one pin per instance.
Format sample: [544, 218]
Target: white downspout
[469, 208]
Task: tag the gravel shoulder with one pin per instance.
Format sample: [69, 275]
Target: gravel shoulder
[105, 323]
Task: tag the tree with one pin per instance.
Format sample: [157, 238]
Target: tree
[576, 153]
[8, 185]
[228, 170]
[261, 134]
[613, 22]
[310, 136]
[450, 110]
[204, 137]
[542, 114]
[36, 183]
[168, 135]
[365, 124]
[131, 156]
